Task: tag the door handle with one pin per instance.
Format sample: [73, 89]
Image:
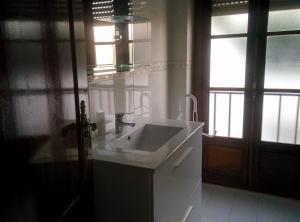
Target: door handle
[183, 156]
[86, 126]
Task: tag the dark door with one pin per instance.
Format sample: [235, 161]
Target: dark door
[220, 86]
[42, 169]
[277, 139]
[247, 80]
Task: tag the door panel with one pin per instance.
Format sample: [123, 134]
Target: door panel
[38, 122]
[277, 156]
[266, 156]
[224, 159]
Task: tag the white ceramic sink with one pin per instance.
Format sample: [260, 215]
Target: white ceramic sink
[148, 138]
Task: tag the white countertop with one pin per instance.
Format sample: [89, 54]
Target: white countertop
[102, 151]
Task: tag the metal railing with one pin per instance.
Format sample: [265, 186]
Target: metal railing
[229, 93]
[280, 95]
[105, 95]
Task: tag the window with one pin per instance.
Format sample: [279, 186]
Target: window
[112, 30]
[280, 121]
[227, 69]
[105, 45]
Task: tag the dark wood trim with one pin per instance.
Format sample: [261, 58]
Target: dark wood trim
[252, 57]
[104, 43]
[281, 91]
[227, 36]
[128, 41]
[201, 56]
[280, 147]
[259, 74]
[76, 87]
[226, 89]
[234, 143]
[294, 32]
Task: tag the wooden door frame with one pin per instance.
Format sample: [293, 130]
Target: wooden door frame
[259, 158]
[201, 72]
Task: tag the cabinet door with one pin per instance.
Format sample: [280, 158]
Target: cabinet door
[176, 180]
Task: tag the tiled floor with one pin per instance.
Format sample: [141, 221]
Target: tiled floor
[222, 204]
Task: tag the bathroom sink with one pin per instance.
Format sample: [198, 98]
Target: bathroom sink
[148, 138]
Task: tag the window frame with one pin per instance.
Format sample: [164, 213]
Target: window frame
[276, 91]
[228, 90]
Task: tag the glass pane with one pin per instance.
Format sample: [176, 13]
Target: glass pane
[211, 112]
[237, 115]
[298, 128]
[105, 54]
[284, 20]
[130, 48]
[222, 114]
[142, 52]
[142, 30]
[130, 31]
[104, 33]
[270, 118]
[288, 119]
[229, 24]
[227, 62]
[283, 62]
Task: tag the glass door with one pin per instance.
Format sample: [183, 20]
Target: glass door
[277, 155]
[224, 153]
[280, 118]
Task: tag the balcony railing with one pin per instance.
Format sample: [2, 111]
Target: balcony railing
[280, 122]
[226, 113]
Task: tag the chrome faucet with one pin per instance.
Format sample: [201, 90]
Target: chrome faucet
[119, 122]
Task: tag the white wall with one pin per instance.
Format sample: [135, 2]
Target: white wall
[164, 65]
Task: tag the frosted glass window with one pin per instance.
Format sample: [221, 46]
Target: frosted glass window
[237, 115]
[227, 62]
[283, 62]
[104, 33]
[229, 24]
[288, 119]
[270, 118]
[105, 54]
[284, 20]
[29, 30]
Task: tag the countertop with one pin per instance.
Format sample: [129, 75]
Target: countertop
[101, 144]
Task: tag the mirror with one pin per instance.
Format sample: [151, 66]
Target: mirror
[109, 34]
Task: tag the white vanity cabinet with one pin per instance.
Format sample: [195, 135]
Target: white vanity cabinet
[176, 180]
[139, 194]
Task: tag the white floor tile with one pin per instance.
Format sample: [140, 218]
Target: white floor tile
[270, 209]
[219, 204]
[245, 207]
[194, 217]
[222, 204]
[292, 211]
